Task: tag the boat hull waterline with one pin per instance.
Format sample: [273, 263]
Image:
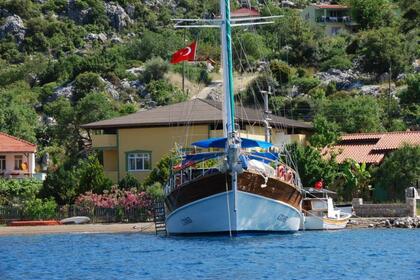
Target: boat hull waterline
[254, 213]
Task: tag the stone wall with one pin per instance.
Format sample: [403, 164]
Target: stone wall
[407, 209]
[382, 210]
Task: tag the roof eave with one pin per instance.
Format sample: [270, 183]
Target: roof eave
[163, 124]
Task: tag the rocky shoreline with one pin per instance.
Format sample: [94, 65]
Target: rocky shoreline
[398, 222]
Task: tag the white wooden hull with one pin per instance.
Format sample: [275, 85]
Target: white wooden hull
[323, 223]
[254, 213]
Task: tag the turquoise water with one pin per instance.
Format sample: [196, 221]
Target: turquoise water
[349, 254]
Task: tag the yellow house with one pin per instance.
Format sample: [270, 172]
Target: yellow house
[136, 142]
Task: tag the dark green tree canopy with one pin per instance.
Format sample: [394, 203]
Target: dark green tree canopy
[398, 171]
[380, 49]
[371, 13]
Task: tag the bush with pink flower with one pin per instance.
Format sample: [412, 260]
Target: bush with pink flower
[115, 199]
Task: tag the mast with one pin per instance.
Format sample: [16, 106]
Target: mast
[232, 147]
[226, 39]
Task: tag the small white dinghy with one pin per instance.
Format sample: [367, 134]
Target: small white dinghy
[75, 220]
[319, 212]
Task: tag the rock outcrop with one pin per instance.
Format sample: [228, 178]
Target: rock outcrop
[13, 26]
[101, 37]
[403, 222]
[116, 92]
[373, 90]
[343, 79]
[118, 17]
[74, 12]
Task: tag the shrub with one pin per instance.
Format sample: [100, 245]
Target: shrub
[326, 133]
[86, 83]
[155, 69]
[115, 199]
[18, 192]
[253, 91]
[337, 62]
[301, 72]
[412, 93]
[40, 209]
[204, 77]
[61, 184]
[155, 191]
[161, 172]
[306, 84]
[92, 177]
[129, 182]
[281, 71]
[164, 93]
[398, 171]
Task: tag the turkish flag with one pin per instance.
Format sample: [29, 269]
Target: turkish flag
[185, 54]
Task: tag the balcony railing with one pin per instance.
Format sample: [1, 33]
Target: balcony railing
[344, 19]
[14, 174]
[104, 140]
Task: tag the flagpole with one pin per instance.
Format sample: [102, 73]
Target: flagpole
[183, 70]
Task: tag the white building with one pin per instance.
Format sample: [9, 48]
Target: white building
[17, 157]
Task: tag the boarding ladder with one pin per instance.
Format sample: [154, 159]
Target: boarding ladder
[159, 217]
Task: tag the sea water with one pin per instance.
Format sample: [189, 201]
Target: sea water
[347, 254]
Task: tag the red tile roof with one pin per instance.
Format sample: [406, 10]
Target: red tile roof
[392, 141]
[370, 147]
[245, 12]
[361, 136]
[359, 153]
[11, 144]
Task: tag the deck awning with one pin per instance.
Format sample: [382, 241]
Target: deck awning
[221, 143]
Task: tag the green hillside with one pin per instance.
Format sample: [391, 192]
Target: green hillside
[64, 63]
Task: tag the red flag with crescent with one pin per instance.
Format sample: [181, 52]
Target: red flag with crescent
[185, 54]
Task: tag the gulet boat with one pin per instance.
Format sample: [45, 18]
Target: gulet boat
[245, 186]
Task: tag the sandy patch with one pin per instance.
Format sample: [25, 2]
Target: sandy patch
[88, 228]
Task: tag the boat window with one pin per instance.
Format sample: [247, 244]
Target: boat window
[139, 161]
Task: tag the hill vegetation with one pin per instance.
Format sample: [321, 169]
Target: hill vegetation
[64, 63]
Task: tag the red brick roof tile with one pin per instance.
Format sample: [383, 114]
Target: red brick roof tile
[392, 141]
[11, 144]
[245, 12]
[370, 147]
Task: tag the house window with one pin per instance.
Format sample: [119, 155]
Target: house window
[139, 161]
[18, 162]
[2, 163]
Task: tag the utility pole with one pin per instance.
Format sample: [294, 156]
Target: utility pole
[267, 113]
[183, 70]
[389, 91]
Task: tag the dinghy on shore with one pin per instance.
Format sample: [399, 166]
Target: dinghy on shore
[75, 220]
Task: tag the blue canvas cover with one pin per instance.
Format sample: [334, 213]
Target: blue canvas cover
[221, 143]
[200, 157]
[264, 157]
